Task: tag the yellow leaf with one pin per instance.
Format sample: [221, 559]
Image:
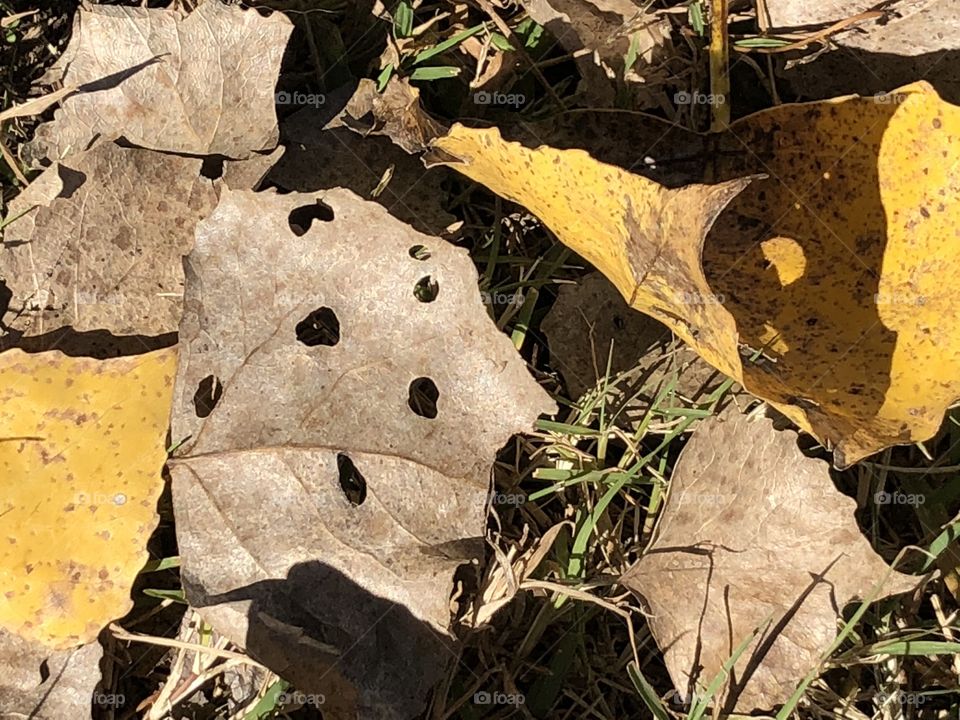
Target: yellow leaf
[824, 287]
[81, 454]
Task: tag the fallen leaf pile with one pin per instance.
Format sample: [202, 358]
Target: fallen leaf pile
[282, 321]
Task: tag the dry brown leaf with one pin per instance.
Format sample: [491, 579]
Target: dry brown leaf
[752, 528]
[589, 316]
[913, 39]
[908, 27]
[201, 84]
[395, 113]
[600, 32]
[318, 159]
[35, 106]
[103, 247]
[504, 578]
[42, 684]
[320, 516]
[248, 174]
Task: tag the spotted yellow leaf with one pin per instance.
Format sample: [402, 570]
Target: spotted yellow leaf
[82, 446]
[818, 269]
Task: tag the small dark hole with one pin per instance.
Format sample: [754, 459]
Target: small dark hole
[6, 296]
[419, 252]
[426, 289]
[321, 327]
[208, 394]
[619, 323]
[302, 218]
[71, 180]
[353, 484]
[212, 167]
[423, 397]
[44, 671]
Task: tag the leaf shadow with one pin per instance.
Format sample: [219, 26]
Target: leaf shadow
[350, 651]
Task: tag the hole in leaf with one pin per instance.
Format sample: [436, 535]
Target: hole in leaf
[302, 218]
[212, 167]
[419, 252]
[426, 289]
[321, 327]
[207, 396]
[353, 484]
[423, 397]
[71, 179]
[44, 671]
[6, 296]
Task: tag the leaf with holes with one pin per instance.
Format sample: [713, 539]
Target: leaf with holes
[81, 453]
[752, 529]
[99, 244]
[823, 287]
[341, 397]
[201, 84]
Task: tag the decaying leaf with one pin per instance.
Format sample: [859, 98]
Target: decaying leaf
[101, 242]
[589, 317]
[505, 575]
[602, 33]
[395, 113]
[823, 285]
[752, 529]
[200, 84]
[43, 684]
[905, 28]
[908, 40]
[342, 393]
[81, 450]
[318, 159]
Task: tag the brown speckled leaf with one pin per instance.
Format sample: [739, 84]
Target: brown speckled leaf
[907, 28]
[318, 158]
[590, 316]
[103, 248]
[751, 528]
[601, 32]
[200, 84]
[301, 343]
[42, 684]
